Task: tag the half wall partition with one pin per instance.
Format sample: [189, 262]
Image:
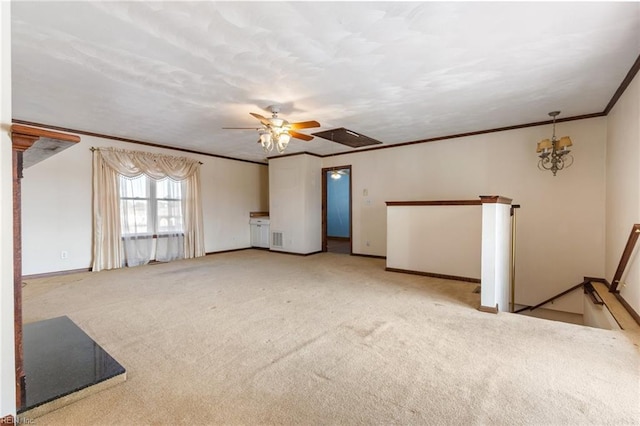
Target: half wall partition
[468, 240]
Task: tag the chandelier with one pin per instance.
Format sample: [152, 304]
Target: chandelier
[554, 154]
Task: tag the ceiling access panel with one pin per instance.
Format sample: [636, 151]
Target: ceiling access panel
[347, 137]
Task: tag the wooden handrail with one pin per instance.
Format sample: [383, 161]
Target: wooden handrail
[551, 299]
[624, 259]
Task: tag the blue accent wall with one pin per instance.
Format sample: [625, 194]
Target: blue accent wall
[338, 206]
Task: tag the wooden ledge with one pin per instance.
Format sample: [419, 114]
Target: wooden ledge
[18, 129]
[484, 199]
[38, 144]
[435, 203]
[21, 143]
[495, 199]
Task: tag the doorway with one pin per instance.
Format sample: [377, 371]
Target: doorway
[336, 210]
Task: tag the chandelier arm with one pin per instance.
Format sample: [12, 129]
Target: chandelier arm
[569, 161]
[545, 163]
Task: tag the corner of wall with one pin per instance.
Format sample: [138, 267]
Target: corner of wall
[7, 357]
[623, 189]
[295, 201]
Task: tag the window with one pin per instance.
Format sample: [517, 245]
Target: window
[149, 207]
[138, 220]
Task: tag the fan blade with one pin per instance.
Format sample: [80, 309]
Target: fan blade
[302, 136]
[304, 125]
[263, 120]
[241, 128]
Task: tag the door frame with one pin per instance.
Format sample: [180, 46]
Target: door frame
[324, 205]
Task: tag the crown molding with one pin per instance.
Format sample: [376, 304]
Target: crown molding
[134, 141]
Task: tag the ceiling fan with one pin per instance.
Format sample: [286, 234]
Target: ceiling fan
[337, 174]
[276, 131]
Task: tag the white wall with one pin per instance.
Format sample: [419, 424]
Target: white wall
[7, 347]
[295, 198]
[623, 189]
[560, 230]
[437, 239]
[313, 204]
[231, 189]
[56, 204]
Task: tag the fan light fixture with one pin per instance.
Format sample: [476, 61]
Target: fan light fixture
[337, 174]
[554, 154]
[276, 133]
[274, 136]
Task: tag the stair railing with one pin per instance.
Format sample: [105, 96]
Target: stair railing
[626, 255]
[551, 299]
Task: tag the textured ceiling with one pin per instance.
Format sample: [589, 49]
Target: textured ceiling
[175, 73]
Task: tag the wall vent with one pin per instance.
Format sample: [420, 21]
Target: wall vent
[276, 239]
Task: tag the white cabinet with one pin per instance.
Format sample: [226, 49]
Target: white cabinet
[259, 232]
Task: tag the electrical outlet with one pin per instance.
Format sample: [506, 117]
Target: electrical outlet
[64, 254]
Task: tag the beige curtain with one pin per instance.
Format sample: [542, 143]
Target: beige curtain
[192, 213]
[108, 252]
[108, 164]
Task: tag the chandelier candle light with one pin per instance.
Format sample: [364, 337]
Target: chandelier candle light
[554, 154]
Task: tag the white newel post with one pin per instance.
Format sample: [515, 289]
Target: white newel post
[496, 253]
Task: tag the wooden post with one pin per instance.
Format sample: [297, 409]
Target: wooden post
[20, 143]
[22, 138]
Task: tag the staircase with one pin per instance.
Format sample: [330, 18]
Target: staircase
[604, 306]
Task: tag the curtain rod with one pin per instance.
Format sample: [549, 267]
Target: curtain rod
[93, 148]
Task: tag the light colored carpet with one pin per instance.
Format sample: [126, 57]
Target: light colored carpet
[254, 337]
